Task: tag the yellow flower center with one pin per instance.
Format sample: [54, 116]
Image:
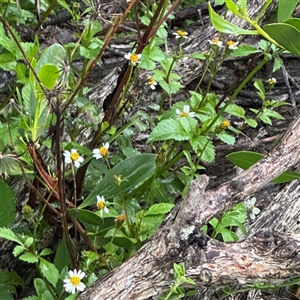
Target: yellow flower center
[75, 280]
[103, 151]
[183, 114]
[100, 205]
[74, 156]
[181, 33]
[134, 58]
[150, 81]
[230, 43]
[225, 124]
[216, 40]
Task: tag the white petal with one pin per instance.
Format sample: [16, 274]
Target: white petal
[106, 145]
[186, 109]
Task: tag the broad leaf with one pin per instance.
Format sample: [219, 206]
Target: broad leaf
[245, 159]
[286, 35]
[49, 271]
[7, 204]
[133, 171]
[158, 209]
[179, 130]
[285, 9]
[224, 26]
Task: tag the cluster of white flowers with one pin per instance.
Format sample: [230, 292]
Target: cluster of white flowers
[73, 157]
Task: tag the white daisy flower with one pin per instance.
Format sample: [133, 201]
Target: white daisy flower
[133, 57]
[152, 83]
[101, 152]
[181, 34]
[101, 205]
[253, 210]
[232, 45]
[73, 157]
[74, 284]
[217, 42]
[185, 113]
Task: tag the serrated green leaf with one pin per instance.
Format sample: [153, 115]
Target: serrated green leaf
[171, 87]
[18, 250]
[226, 138]
[8, 234]
[226, 27]
[286, 35]
[273, 114]
[40, 286]
[260, 87]
[7, 201]
[204, 147]
[29, 257]
[45, 252]
[134, 171]
[244, 50]
[277, 63]
[235, 110]
[158, 209]
[49, 271]
[173, 129]
[251, 122]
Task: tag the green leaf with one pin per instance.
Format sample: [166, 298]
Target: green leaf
[40, 286]
[226, 138]
[158, 209]
[87, 217]
[285, 9]
[45, 252]
[49, 271]
[179, 130]
[8, 234]
[245, 159]
[198, 55]
[29, 257]
[204, 147]
[48, 75]
[226, 27]
[251, 122]
[295, 22]
[235, 110]
[171, 87]
[134, 171]
[286, 35]
[62, 256]
[120, 238]
[7, 204]
[18, 250]
[260, 87]
[244, 50]
[6, 292]
[52, 55]
[10, 279]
